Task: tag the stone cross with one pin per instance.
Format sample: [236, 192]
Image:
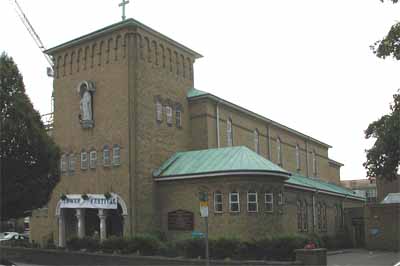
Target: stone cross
[123, 4]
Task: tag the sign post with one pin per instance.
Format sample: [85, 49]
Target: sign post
[203, 197]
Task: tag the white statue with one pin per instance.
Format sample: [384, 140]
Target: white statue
[86, 106]
[86, 90]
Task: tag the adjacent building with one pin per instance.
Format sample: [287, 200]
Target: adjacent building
[363, 187]
[139, 143]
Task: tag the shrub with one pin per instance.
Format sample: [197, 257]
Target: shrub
[146, 244]
[191, 248]
[282, 247]
[224, 248]
[113, 244]
[87, 243]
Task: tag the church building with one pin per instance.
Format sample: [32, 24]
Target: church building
[139, 143]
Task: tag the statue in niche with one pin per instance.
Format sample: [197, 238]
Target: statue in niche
[86, 90]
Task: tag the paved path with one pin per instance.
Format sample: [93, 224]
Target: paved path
[364, 258]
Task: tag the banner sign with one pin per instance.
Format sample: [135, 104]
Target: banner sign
[93, 201]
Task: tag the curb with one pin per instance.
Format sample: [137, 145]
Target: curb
[155, 258]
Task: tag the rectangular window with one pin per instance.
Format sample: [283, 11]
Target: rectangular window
[218, 207]
[168, 110]
[93, 159]
[252, 203]
[234, 205]
[116, 155]
[106, 156]
[299, 217]
[84, 160]
[229, 135]
[269, 202]
[178, 118]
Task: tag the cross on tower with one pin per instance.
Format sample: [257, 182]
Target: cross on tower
[123, 4]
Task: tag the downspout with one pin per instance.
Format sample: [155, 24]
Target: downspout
[313, 212]
[307, 171]
[217, 111]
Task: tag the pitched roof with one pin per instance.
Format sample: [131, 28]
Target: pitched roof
[195, 94]
[301, 181]
[216, 162]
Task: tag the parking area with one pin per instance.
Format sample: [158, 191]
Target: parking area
[364, 257]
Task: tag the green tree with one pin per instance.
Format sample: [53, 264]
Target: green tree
[28, 156]
[383, 159]
[390, 44]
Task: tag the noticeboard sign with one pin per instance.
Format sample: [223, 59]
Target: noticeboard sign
[180, 220]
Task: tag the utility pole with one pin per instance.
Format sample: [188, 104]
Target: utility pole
[203, 197]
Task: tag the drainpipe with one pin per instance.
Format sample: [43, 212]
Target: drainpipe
[313, 212]
[307, 171]
[217, 111]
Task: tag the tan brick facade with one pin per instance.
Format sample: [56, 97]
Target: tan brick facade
[133, 67]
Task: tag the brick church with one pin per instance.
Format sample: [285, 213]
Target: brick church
[139, 143]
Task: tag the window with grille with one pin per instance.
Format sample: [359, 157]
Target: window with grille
[92, 159]
[252, 202]
[71, 163]
[218, 206]
[269, 202]
[168, 111]
[116, 155]
[106, 156]
[234, 203]
[84, 160]
[159, 108]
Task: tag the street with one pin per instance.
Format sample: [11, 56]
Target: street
[364, 257]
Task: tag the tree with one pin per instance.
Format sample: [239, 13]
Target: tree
[28, 156]
[383, 159]
[389, 45]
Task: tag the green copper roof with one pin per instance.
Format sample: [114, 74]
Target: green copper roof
[320, 185]
[391, 198]
[223, 161]
[194, 93]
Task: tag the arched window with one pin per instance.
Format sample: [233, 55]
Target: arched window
[229, 132]
[299, 217]
[168, 111]
[63, 163]
[279, 151]
[159, 111]
[84, 160]
[71, 163]
[305, 216]
[324, 218]
[252, 201]
[319, 216]
[116, 155]
[178, 117]
[256, 141]
[106, 156]
[298, 157]
[92, 159]
[314, 163]
[218, 206]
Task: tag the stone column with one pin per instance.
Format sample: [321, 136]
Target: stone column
[80, 215]
[103, 230]
[61, 230]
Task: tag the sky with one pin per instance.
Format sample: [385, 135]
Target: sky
[305, 64]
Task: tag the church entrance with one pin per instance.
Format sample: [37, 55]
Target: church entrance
[93, 215]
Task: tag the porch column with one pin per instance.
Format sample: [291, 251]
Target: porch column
[80, 215]
[61, 230]
[103, 230]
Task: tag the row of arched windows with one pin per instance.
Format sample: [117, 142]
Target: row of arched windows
[88, 159]
[169, 112]
[302, 216]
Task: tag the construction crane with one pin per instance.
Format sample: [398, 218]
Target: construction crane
[46, 118]
[34, 35]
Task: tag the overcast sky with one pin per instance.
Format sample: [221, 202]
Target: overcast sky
[305, 64]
